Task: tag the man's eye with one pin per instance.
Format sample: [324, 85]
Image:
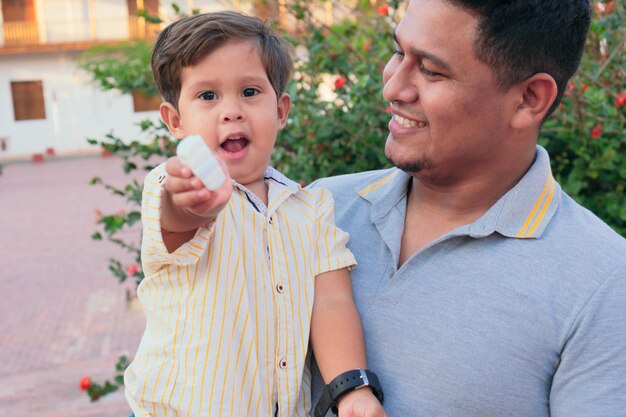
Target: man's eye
[249, 92]
[398, 53]
[429, 73]
[208, 95]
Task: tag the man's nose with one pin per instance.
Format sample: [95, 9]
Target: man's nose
[398, 83]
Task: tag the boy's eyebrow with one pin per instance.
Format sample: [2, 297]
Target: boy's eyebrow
[425, 55]
[248, 79]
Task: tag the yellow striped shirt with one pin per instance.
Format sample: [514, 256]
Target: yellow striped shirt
[228, 313]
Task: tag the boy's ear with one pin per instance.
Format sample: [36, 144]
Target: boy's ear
[284, 104]
[536, 95]
[172, 120]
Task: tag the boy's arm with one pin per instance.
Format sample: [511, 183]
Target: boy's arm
[337, 339]
[186, 204]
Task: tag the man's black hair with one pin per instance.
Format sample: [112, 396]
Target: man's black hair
[520, 38]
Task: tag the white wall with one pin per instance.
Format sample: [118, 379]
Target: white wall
[111, 19]
[64, 20]
[75, 109]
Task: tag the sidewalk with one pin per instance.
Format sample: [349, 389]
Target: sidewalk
[64, 316]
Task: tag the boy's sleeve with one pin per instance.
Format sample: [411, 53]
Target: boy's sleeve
[154, 255]
[331, 251]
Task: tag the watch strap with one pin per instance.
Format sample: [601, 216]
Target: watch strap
[343, 384]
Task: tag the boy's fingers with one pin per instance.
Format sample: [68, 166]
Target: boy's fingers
[192, 198]
[175, 167]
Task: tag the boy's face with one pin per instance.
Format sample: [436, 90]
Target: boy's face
[227, 98]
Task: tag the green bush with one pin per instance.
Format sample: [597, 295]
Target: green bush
[586, 136]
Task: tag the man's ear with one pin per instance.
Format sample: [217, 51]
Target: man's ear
[284, 104]
[172, 120]
[536, 95]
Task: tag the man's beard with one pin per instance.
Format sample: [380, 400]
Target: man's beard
[411, 167]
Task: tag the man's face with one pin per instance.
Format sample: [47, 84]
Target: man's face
[449, 119]
[227, 98]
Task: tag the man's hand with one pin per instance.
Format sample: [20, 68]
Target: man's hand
[360, 403]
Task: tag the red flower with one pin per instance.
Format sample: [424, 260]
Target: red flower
[383, 10]
[620, 99]
[340, 82]
[132, 268]
[388, 109]
[604, 9]
[85, 383]
[596, 132]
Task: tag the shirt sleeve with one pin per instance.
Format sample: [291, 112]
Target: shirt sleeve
[154, 255]
[331, 250]
[590, 380]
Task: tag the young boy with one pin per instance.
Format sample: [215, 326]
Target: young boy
[237, 276]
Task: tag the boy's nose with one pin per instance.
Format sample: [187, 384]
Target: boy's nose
[232, 112]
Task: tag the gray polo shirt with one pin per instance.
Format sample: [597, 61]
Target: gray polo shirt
[521, 313]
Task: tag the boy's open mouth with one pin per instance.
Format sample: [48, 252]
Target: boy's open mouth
[234, 144]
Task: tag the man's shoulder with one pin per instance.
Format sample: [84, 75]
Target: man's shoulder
[586, 231]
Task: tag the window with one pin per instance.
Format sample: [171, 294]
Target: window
[145, 103]
[28, 102]
[18, 10]
[20, 25]
[139, 27]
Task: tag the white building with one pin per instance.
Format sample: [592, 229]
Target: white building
[47, 104]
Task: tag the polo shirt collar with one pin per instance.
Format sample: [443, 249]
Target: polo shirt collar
[523, 212]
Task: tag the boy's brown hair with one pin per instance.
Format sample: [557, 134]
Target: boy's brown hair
[186, 41]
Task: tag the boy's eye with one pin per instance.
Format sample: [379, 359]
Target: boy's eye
[250, 91]
[208, 95]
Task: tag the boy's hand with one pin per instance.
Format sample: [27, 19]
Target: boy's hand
[189, 193]
[360, 403]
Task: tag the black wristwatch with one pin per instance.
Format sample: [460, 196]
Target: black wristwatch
[343, 384]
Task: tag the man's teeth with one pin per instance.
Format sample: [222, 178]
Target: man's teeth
[408, 123]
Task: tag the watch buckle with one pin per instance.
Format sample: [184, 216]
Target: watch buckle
[366, 381]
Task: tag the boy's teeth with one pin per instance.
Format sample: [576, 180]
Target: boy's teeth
[408, 123]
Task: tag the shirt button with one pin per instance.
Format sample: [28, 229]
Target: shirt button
[271, 220]
[280, 288]
[283, 363]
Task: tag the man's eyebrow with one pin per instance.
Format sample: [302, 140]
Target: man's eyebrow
[440, 63]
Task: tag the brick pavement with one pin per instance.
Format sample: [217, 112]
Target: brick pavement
[63, 314]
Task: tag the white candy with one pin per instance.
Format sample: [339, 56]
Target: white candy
[194, 153]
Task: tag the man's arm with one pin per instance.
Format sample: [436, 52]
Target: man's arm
[591, 376]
